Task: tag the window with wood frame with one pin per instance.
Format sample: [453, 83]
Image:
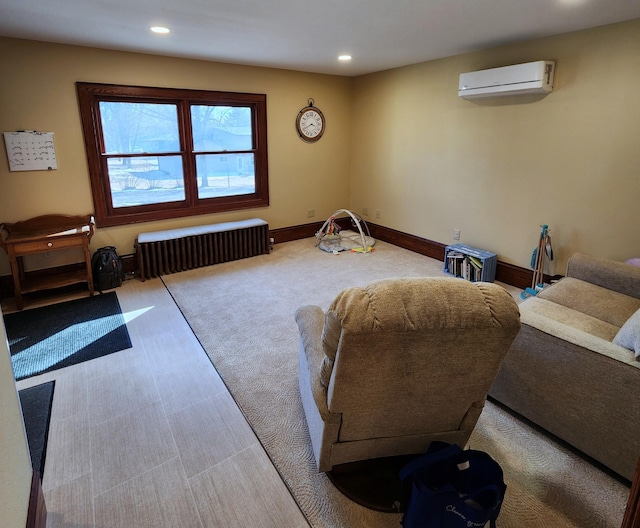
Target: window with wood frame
[158, 153]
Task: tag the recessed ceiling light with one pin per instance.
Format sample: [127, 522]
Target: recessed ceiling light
[160, 29]
[344, 58]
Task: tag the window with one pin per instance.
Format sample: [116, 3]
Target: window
[158, 153]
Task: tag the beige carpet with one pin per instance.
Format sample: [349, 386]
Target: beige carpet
[243, 314]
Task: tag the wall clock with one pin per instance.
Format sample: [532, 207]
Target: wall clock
[310, 123]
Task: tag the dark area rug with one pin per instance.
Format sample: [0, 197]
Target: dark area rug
[59, 335]
[36, 412]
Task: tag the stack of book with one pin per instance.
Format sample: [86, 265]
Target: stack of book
[465, 266]
[470, 263]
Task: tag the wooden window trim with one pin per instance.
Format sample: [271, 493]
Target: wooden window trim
[89, 97]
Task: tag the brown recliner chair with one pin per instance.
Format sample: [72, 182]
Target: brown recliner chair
[395, 365]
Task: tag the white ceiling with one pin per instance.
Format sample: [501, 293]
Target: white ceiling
[306, 35]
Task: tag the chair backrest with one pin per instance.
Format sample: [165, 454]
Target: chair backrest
[413, 355]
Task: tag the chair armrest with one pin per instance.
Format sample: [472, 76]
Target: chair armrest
[610, 274]
[310, 321]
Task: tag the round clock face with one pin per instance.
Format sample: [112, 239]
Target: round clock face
[310, 123]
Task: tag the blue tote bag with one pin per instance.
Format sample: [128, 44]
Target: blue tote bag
[453, 488]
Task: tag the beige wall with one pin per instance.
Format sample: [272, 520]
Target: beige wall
[15, 461]
[497, 169]
[400, 142]
[38, 93]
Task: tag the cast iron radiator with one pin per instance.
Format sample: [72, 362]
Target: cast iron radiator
[163, 252]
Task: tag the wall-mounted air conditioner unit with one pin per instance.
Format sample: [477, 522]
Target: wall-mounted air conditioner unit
[519, 79]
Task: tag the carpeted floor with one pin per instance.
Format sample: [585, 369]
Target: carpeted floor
[59, 335]
[243, 314]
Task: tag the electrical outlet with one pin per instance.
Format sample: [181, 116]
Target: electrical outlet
[311, 213]
[378, 215]
[365, 211]
[456, 234]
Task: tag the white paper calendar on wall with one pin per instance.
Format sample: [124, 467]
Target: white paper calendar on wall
[30, 150]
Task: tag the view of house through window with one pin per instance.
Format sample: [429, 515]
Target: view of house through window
[154, 155]
[222, 139]
[132, 129]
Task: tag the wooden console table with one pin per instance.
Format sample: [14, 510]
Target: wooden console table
[41, 235]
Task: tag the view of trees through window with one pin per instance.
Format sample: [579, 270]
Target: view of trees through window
[222, 142]
[161, 153]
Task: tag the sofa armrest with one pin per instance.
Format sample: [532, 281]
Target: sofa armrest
[610, 274]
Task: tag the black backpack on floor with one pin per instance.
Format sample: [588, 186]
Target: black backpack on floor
[107, 269]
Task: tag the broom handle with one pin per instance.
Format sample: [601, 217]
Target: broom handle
[543, 251]
[539, 260]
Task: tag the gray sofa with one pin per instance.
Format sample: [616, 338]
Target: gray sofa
[567, 371]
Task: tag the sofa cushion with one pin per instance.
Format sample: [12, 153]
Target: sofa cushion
[590, 343]
[568, 317]
[607, 305]
[629, 335]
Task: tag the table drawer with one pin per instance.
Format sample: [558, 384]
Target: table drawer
[49, 244]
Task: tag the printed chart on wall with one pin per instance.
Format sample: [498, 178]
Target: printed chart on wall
[30, 150]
